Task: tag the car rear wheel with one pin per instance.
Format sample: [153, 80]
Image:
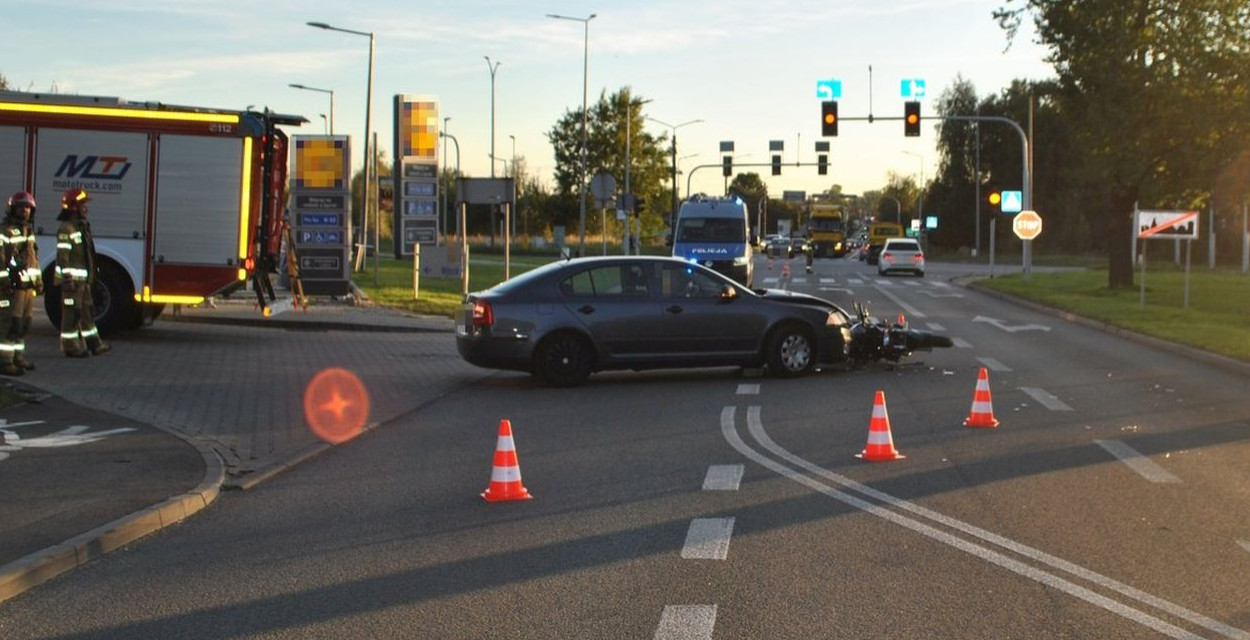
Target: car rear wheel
[792, 352]
[564, 360]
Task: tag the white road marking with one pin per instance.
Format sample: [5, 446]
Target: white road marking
[855, 281]
[1145, 467]
[1002, 324]
[933, 326]
[708, 539]
[729, 431]
[993, 365]
[911, 311]
[745, 389]
[1046, 399]
[686, 622]
[828, 281]
[723, 477]
[1245, 544]
[960, 343]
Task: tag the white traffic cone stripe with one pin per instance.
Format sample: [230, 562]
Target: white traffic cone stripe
[505, 444]
[879, 437]
[505, 474]
[982, 407]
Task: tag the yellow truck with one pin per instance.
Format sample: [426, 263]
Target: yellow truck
[878, 233]
[827, 227]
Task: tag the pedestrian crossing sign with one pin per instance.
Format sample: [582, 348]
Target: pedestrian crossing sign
[1013, 202]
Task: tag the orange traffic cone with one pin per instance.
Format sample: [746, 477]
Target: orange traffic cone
[880, 442]
[505, 475]
[982, 414]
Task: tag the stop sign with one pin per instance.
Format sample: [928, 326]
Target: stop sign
[1027, 225]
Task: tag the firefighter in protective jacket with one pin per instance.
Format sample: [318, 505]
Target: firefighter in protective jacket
[75, 273]
[20, 282]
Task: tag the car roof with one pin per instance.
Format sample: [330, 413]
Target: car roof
[908, 241]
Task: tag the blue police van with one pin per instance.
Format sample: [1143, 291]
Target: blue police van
[716, 233]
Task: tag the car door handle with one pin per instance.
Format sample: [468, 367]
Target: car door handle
[675, 309]
[586, 309]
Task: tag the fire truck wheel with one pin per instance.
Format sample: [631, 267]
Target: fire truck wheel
[115, 309]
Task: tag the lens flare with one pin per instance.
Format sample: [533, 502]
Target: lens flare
[336, 405]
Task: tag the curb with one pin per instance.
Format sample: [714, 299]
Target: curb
[42, 566]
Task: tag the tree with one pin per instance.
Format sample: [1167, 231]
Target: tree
[1156, 91]
[607, 123]
[751, 188]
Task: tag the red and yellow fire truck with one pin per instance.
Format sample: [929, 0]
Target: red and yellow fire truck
[186, 202]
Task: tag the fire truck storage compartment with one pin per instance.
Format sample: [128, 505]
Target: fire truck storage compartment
[113, 168]
[198, 192]
[13, 161]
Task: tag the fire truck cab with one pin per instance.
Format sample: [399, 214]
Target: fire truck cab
[186, 202]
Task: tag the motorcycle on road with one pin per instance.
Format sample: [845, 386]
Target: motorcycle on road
[874, 339]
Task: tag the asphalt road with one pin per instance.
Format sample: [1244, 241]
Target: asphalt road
[1109, 503]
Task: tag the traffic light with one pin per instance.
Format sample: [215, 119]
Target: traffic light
[822, 164]
[911, 118]
[829, 118]
[727, 166]
[996, 198]
[776, 165]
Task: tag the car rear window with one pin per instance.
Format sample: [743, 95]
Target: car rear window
[902, 245]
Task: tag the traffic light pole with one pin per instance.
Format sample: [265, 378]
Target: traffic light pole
[690, 175]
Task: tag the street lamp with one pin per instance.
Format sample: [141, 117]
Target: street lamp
[325, 124]
[443, 221]
[674, 128]
[581, 232]
[368, 170]
[329, 91]
[493, 67]
[920, 188]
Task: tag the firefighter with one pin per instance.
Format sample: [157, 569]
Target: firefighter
[20, 282]
[75, 273]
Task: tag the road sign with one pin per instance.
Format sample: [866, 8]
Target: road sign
[602, 186]
[912, 88]
[1027, 225]
[1167, 224]
[1013, 202]
[828, 89]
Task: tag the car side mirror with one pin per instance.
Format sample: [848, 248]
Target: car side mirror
[728, 293]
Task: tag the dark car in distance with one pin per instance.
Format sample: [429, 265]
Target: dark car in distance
[568, 319]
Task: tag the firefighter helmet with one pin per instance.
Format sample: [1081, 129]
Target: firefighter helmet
[22, 199]
[74, 199]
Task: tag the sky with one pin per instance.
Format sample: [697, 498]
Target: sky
[747, 70]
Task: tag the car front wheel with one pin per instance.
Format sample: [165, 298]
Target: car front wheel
[792, 352]
[564, 360]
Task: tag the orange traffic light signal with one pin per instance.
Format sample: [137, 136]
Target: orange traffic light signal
[911, 118]
[996, 198]
[829, 118]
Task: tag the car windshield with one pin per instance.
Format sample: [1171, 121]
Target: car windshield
[826, 224]
[711, 230]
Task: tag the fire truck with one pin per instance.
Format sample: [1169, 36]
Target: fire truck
[186, 202]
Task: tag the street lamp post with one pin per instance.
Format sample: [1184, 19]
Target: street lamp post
[368, 170]
[920, 187]
[329, 91]
[443, 220]
[581, 232]
[493, 68]
[674, 128]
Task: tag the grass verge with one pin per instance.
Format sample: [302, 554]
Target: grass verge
[1216, 318]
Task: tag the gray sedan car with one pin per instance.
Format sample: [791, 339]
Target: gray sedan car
[568, 319]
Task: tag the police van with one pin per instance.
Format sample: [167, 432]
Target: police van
[716, 233]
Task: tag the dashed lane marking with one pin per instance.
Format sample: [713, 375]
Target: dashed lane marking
[748, 389]
[686, 622]
[1046, 399]
[708, 539]
[993, 365]
[723, 477]
[1145, 467]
